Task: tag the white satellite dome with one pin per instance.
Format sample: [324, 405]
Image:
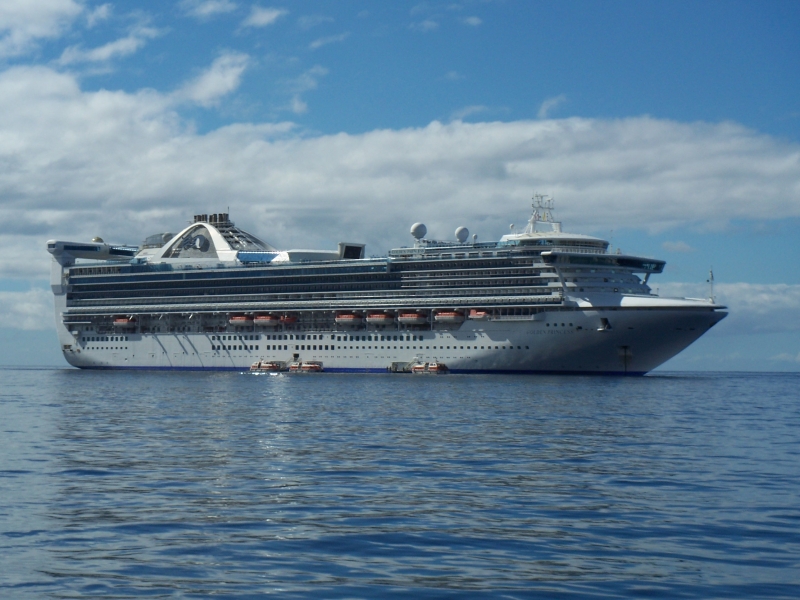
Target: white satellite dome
[462, 233]
[418, 230]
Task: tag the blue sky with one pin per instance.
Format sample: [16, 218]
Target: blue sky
[671, 128]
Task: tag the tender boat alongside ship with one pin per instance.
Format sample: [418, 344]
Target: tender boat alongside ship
[216, 297]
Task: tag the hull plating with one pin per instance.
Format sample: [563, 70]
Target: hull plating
[616, 341]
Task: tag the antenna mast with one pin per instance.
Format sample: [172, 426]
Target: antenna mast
[542, 206]
[710, 282]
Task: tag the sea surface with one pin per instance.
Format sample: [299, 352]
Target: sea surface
[197, 485]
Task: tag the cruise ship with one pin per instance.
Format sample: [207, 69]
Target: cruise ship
[214, 297]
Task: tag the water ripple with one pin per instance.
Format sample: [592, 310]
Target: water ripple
[122, 485]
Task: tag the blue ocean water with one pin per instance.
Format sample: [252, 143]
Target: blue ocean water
[191, 485]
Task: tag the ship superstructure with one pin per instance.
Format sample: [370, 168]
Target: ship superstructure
[216, 297]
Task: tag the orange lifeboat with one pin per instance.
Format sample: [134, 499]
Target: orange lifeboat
[245, 320]
[124, 321]
[311, 366]
[267, 366]
[379, 319]
[412, 318]
[266, 320]
[288, 320]
[437, 368]
[306, 366]
[449, 316]
[348, 319]
[478, 313]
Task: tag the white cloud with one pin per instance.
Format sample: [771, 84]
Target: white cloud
[77, 164]
[204, 9]
[453, 76]
[121, 47]
[463, 113]
[549, 104]
[308, 80]
[786, 357]
[472, 21]
[100, 13]
[677, 247]
[425, 26]
[297, 106]
[220, 79]
[309, 21]
[331, 39]
[26, 310]
[24, 22]
[754, 307]
[261, 17]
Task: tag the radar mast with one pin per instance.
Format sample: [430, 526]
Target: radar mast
[543, 206]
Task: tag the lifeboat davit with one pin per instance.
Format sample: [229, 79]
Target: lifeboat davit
[267, 320]
[449, 316]
[240, 320]
[348, 319]
[379, 319]
[412, 318]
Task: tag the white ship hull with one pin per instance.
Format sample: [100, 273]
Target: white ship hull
[616, 340]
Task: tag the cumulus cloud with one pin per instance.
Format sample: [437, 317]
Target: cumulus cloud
[754, 308]
[24, 22]
[786, 357]
[463, 113]
[261, 17]
[307, 81]
[121, 47]
[204, 9]
[220, 79]
[472, 21]
[26, 310]
[331, 39]
[549, 104]
[98, 14]
[76, 164]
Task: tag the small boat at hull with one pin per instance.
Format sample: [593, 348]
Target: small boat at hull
[267, 366]
[288, 320]
[266, 321]
[124, 321]
[412, 318]
[306, 366]
[429, 368]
